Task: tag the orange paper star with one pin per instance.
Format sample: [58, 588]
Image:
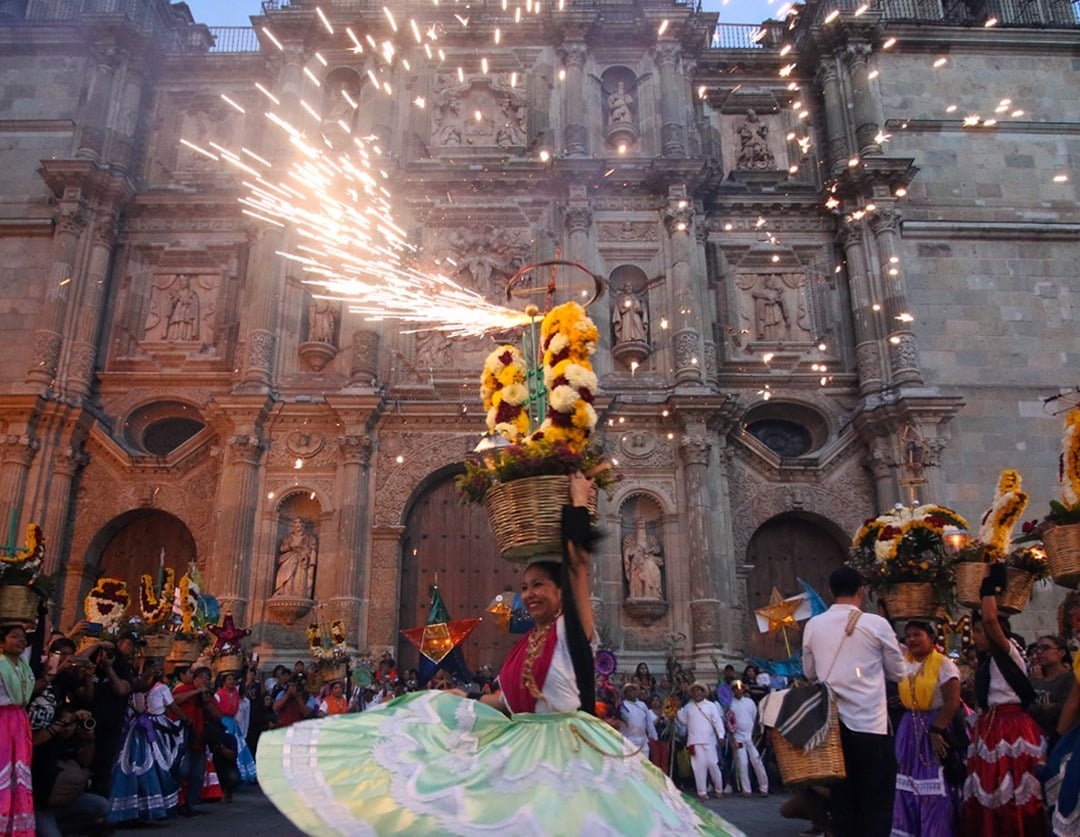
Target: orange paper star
[779, 612]
[439, 639]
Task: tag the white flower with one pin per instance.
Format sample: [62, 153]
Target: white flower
[508, 431]
[491, 414]
[563, 398]
[515, 394]
[581, 377]
[590, 411]
[558, 343]
[882, 550]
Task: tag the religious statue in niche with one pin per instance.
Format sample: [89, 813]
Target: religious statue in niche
[182, 313]
[619, 104]
[339, 110]
[754, 153]
[298, 554]
[772, 321]
[642, 562]
[322, 322]
[629, 318]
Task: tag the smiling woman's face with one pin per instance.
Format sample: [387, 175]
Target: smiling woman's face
[540, 595]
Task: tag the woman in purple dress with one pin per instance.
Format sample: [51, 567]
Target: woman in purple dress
[926, 805]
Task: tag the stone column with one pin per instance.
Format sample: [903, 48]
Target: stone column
[352, 533]
[576, 138]
[903, 350]
[16, 455]
[836, 146]
[382, 594]
[672, 126]
[861, 286]
[90, 144]
[48, 342]
[705, 599]
[867, 115]
[84, 321]
[687, 338]
[234, 526]
[67, 461]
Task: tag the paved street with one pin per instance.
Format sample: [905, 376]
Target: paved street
[252, 815]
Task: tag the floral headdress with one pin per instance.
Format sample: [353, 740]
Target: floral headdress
[906, 544]
[107, 603]
[156, 603]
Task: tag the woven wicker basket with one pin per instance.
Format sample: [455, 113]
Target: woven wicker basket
[228, 662]
[526, 515]
[157, 645]
[910, 600]
[18, 603]
[821, 766]
[969, 576]
[186, 650]
[1017, 591]
[1062, 545]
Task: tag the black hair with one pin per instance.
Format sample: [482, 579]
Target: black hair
[922, 625]
[9, 627]
[845, 582]
[63, 645]
[1061, 646]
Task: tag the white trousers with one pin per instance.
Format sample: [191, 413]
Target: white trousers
[704, 764]
[745, 751]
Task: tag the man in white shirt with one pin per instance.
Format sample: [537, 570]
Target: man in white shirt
[855, 652]
[742, 718]
[704, 727]
[638, 727]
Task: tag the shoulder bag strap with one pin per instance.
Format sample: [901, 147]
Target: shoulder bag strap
[849, 629]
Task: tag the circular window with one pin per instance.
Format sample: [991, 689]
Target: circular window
[164, 436]
[787, 429]
[161, 427]
[785, 438]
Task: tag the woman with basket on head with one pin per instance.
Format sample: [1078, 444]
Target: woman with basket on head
[927, 794]
[434, 762]
[1002, 793]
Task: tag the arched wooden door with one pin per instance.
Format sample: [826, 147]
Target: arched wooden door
[451, 545]
[142, 542]
[786, 548]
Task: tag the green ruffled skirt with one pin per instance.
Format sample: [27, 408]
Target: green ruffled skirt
[431, 763]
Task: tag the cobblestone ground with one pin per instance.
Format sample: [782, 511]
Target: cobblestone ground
[253, 814]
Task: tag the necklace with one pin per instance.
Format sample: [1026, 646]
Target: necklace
[535, 645]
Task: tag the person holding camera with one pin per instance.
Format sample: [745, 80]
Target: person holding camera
[63, 753]
[290, 699]
[112, 681]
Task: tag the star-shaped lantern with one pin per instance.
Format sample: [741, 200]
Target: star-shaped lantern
[227, 635]
[437, 640]
[779, 614]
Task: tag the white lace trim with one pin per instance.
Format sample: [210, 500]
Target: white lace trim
[1003, 748]
[922, 787]
[1062, 826]
[1004, 793]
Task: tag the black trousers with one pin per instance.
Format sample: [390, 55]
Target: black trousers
[862, 805]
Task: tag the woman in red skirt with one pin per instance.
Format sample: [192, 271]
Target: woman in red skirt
[1002, 794]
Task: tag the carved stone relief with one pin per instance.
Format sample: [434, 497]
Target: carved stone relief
[486, 257]
[628, 231]
[182, 308]
[773, 307]
[395, 481]
[479, 113]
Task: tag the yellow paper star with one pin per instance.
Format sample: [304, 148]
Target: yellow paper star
[779, 612]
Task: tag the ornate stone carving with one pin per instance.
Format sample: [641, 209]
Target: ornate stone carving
[672, 137]
[487, 256]
[628, 231]
[364, 364]
[577, 140]
[904, 353]
[578, 218]
[645, 449]
[46, 356]
[83, 356]
[181, 308]
[868, 361]
[686, 348]
[695, 449]
[754, 153]
[355, 449]
[774, 306]
[502, 113]
[643, 561]
[298, 555]
[395, 481]
[260, 349]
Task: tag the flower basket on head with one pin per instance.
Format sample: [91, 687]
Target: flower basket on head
[910, 600]
[902, 556]
[157, 645]
[522, 477]
[186, 649]
[228, 663]
[18, 603]
[1062, 545]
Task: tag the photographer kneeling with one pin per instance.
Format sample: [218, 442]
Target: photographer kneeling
[63, 753]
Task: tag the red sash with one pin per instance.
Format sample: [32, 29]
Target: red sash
[511, 679]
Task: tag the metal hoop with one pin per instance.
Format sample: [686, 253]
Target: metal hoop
[598, 281]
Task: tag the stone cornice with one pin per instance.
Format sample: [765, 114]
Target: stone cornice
[992, 230]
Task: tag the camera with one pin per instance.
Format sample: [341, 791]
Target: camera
[88, 724]
[299, 680]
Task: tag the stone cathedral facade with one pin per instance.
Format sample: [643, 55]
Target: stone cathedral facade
[827, 291]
